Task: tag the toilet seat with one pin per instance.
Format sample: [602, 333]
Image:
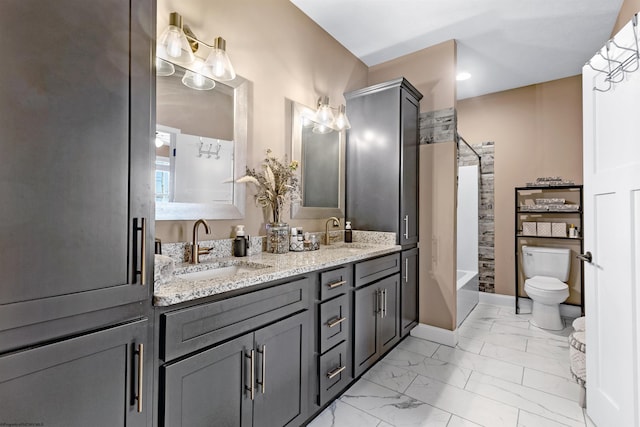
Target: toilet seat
[545, 283]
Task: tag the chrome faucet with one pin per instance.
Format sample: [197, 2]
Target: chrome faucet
[336, 223]
[195, 248]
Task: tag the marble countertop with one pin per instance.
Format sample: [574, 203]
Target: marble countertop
[258, 269]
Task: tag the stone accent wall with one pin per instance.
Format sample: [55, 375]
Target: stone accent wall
[438, 126]
[486, 222]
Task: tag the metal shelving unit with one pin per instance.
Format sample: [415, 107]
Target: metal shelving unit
[527, 214]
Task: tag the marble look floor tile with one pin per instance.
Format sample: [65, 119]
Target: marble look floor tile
[418, 345]
[516, 342]
[456, 421]
[531, 400]
[480, 363]
[393, 377]
[340, 414]
[532, 332]
[529, 360]
[559, 386]
[403, 358]
[394, 408]
[527, 419]
[467, 405]
[382, 424]
[588, 421]
[443, 371]
[548, 347]
[470, 345]
[562, 333]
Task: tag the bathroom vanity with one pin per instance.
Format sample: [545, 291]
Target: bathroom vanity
[274, 344]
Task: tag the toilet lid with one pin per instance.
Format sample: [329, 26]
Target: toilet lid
[546, 283]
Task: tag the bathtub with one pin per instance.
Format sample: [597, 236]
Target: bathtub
[467, 286]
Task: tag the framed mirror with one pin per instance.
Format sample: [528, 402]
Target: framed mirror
[201, 145]
[322, 165]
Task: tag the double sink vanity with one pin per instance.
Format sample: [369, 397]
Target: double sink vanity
[271, 339]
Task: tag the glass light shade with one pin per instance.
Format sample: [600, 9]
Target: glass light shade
[219, 63]
[173, 41]
[342, 122]
[325, 115]
[321, 129]
[164, 68]
[197, 81]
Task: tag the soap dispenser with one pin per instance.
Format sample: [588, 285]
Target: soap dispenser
[348, 233]
[240, 243]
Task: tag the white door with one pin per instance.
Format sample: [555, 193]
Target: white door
[612, 235]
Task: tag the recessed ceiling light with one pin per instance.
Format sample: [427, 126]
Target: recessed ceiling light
[463, 76]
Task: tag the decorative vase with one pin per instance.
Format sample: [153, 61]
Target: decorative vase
[277, 238]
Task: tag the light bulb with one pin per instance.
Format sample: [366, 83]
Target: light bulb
[173, 42]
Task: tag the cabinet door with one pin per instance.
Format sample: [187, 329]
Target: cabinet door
[75, 136]
[409, 291]
[210, 388]
[409, 184]
[366, 312]
[389, 321]
[90, 380]
[283, 358]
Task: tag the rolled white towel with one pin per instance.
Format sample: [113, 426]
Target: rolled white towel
[163, 269]
[579, 324]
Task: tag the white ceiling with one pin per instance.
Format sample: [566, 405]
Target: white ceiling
[504, 44]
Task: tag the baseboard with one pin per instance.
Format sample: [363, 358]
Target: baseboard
[432, 333]
[525, 304]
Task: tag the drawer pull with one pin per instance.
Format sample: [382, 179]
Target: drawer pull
[336, 322]
[337, 284]
[332, 374]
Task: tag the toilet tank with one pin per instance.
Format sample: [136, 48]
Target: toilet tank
[551, 262]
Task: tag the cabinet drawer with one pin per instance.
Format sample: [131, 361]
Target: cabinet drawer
[374, 269]
[334, 282]
[197, 327]
[335, 372]
[334, 322]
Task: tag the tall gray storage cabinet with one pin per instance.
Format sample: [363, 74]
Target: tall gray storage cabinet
[382, 175]
[76, 224]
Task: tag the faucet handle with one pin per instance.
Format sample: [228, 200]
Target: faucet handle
[204, 251]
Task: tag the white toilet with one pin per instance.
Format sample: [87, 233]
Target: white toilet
[546, 270]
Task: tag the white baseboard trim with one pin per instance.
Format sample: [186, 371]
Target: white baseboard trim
[435, 334]
[524, 303]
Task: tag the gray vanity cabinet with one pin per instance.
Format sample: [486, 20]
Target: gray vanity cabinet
[75, 137]
[382, 159]
[90, 380]
[409, 291]
[258, 379]
[376, 311]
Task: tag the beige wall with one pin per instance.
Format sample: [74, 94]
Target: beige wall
[537, 131]
[628, 9]
[432, 71]
[285, 55]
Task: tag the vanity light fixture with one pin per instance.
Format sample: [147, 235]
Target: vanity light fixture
[179, 43]
[325, 121]
[164, 68]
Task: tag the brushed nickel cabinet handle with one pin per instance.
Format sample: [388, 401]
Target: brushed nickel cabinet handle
[336, 322]
[378, 305]
[332, 374]
[406, 226]
[252, 375]
[384, 303]
[406, 270]
[337, 284]
[140, 375]
[263, 352]
[142, 229]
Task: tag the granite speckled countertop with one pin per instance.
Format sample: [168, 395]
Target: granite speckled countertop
[258, 269]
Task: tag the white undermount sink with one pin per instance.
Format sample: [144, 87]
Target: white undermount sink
[219, 271]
